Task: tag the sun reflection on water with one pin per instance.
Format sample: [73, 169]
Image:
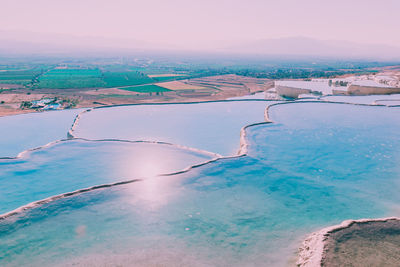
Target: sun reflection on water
[153, 191]
[149, 168]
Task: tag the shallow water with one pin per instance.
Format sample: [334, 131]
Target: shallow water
[317, 165]
[369, 99]
[334, 144]
[26, 131]
[212, 126]
[206, 219]
[76, 164]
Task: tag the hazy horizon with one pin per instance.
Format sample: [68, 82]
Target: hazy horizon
[256, 26]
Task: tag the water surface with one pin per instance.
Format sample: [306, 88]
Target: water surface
[368, 99]
[26, 131]
[317, 165]
[211, 126]
[76, 164]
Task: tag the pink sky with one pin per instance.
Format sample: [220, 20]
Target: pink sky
[207, 23]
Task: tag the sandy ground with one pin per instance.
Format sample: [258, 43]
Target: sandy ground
[110, 91]
[180, 85]
[7, 110]
[17, 98]
[9, 86]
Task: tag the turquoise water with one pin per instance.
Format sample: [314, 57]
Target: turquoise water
[212, 126]
[317, 165]
[369, 100]
[76, 164]
[353, 148]
[26, 131]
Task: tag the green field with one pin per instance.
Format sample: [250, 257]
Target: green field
[146, 89]
[71, 73]
[90, 78]
[115, 79]
[78, 75]
[18, 76]
[71, 83]
[71, 78]
[169, 78]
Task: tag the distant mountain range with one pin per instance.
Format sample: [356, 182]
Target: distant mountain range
[303, 46]
[14, 43]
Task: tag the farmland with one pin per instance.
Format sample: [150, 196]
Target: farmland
[63, 78]
[126, 78]
[91, 82]
[159, 78]
[70, 78]
[20, 77]
[151, 88]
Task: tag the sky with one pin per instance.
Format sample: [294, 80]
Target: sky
[207, 23]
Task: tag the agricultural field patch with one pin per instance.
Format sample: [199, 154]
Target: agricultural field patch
[71, 83]
[71, 78]
[177, 85]
[146, 89]
[107, 91]
[71, 73]
[91, 78]
[117, 79]
[22, 77]
[122, 96]
[168, 78]
[166, 75]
